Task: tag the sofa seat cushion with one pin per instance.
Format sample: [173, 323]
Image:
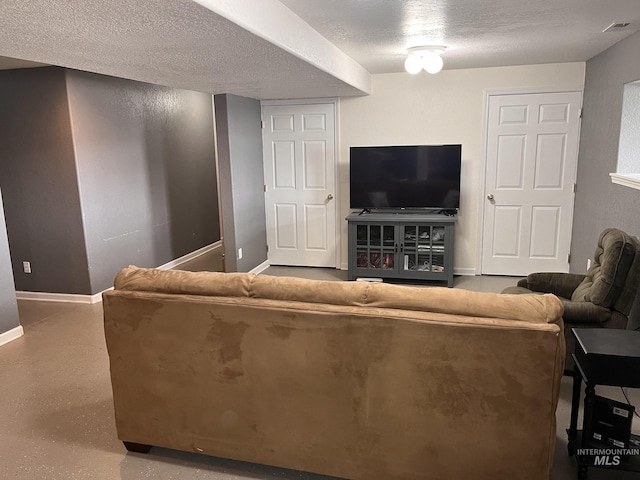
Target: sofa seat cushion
[606, 279]
[519, 290]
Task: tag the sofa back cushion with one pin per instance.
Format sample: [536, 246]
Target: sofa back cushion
[608, 276]
[530, 308]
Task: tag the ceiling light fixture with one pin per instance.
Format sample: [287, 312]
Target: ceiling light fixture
[427, 58]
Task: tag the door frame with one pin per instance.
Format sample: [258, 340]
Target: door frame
[336, 163]
[488, 93]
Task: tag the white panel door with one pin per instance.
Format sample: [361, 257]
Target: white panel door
[532, 154]
[299, 172]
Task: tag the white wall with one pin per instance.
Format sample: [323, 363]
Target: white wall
[8, 306]
[444, 108]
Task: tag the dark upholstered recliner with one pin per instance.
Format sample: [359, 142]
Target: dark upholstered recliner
[604, 296]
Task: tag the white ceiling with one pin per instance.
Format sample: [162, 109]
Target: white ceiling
[477, 33]
[268, 49]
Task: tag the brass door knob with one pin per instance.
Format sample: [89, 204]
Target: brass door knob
[330, 197]
[490, 196]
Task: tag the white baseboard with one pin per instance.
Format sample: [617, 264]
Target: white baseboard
[11, 335]
[464, 271]
[97, 298]
[190, 256]
[260, 268]
[61, 297]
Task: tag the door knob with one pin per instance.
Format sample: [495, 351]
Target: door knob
[330, 197]
[490, 196]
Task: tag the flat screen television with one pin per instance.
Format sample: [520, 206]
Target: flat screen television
[408, 176]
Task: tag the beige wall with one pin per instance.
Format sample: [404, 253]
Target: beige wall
[434, 109]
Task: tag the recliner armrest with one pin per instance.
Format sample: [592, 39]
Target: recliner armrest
[584, 313]
[560, 284]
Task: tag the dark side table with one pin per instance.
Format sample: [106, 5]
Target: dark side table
[602, 357]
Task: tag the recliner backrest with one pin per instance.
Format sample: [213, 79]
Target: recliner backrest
[628, 295]
[612, 280]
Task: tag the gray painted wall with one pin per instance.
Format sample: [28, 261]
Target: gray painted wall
[241, 181]
[599, 203]
[146, 168]
[8, 306]
[39, 182]
[98, 173]
[225, 184]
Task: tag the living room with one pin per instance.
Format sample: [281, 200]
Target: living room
[443, 108]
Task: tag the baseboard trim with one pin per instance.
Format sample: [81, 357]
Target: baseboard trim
[190, 256]
[97, 298]
[61, 297]
[11, 335]
[464, 271]
[260, 268]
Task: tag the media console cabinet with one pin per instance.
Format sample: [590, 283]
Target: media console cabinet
[401, 246]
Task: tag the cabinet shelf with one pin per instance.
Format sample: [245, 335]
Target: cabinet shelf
[410, 246]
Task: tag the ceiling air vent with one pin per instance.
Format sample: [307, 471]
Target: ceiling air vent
[616, 26]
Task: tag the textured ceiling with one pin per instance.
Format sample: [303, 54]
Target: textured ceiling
[268, 49]
[178, 43]
[477, 33]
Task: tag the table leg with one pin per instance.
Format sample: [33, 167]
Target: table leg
[582, 472]
[590, 393]
[589, 398]
[575, 407]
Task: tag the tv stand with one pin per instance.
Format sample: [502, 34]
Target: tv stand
[412, 246]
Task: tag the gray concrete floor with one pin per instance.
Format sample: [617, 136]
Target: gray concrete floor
[56, 412]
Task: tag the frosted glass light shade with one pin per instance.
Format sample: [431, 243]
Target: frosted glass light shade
[413, 64]
[432, 62]
[427, 58]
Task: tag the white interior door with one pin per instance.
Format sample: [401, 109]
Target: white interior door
[299, 172]
[532, 154]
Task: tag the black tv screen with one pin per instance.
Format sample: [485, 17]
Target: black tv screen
[416, 176]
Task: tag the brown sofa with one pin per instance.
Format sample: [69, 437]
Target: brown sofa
[350, 379]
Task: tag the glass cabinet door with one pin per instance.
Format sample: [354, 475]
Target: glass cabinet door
[423, 248]
[375, 246]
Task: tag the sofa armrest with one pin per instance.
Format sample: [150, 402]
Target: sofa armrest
[560, 284]
[584, 313]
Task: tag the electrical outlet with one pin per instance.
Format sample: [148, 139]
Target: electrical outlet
[26, 266]
[240, 254]
[588, 263]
